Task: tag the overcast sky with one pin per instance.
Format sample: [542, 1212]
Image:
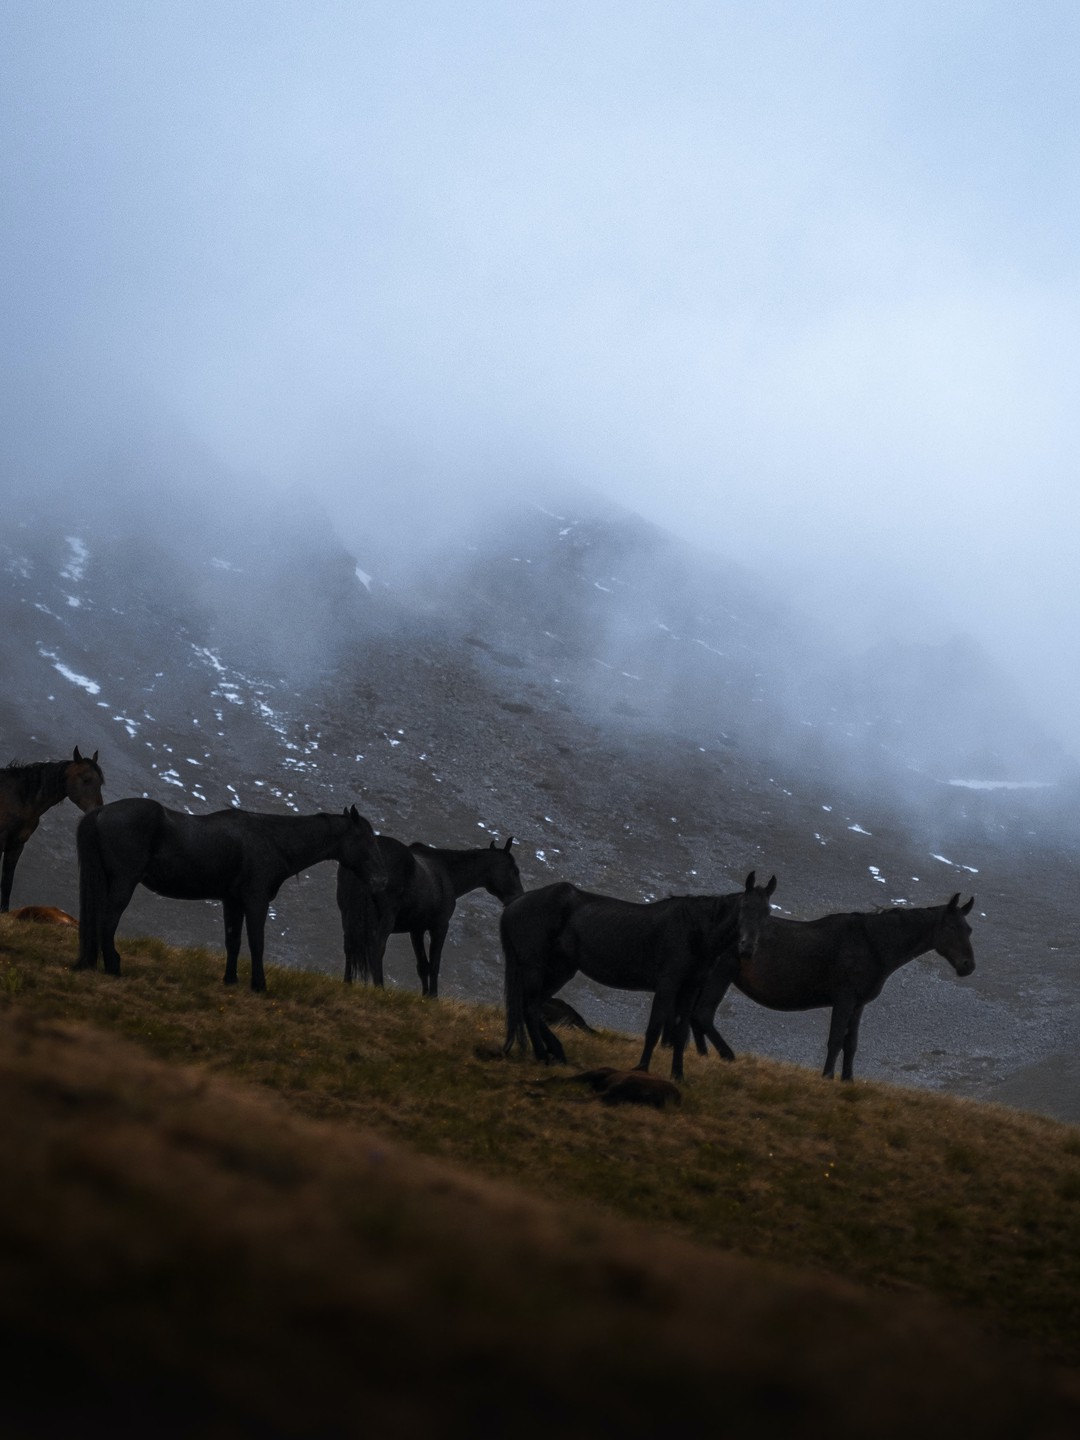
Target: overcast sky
[799, 280]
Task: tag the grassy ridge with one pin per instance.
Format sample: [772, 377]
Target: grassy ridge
[903, 1190]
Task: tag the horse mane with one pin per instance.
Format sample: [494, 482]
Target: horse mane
[32, 782]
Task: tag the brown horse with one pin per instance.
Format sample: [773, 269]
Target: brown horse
[27, 791]
[44, 915]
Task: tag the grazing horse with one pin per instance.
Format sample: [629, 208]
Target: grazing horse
[27, 791]
[841, 961]
[235, 856]
[423, 887]
[666, 946]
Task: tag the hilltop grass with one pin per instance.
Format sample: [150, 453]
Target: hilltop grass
[975, 1205]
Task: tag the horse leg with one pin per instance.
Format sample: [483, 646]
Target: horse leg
[547, 1047]
[378, 953]
[423, 965]
[255, 916]
[838, 1028]
[11, 859]
[703, 1021]
[661, 1014]
[851, 1042]
[234, 929]
[435, 949]
[116, 902]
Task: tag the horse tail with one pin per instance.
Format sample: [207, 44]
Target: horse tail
[513, 986]
[93, 886]
[357, 925]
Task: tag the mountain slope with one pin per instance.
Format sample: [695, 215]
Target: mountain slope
[642, 717]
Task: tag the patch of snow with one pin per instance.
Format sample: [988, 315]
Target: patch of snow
[364, 578]
[209, 656]
[858, 829]
[955, 864]
[876, 873]
[83, 681]
[75, 568]
[1003, 784]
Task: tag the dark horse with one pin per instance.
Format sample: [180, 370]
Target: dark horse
[422, 889]
[234, 856]
[27, 791]
[840, 960]
[667, 946]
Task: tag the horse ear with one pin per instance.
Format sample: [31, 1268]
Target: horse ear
[353, 813]
[954, 902]
[509, 842]
[492, 845]
[966, 909]
[94, 757]
[76, 756]
[771, 886]
[751, 879]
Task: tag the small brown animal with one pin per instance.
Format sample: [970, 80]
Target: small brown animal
[630, 1087]
[44, 915]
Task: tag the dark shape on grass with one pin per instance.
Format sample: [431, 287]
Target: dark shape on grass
[236, 856]
[423, 887]
[840, 961]
[630, 1087]
[27, 791]
[666, 946]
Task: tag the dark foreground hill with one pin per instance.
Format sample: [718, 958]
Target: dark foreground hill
[184, 1253]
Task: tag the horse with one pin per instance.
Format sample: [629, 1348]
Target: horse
[842, 961]
[43, 915]
[27, 791]
[423, 886]
[666, 946]
[237, 856]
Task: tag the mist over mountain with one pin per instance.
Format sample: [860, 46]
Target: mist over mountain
[643, 716]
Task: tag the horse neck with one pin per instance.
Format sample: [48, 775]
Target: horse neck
[911, 932]
[304, 840]
[43, 785]
[465, 869]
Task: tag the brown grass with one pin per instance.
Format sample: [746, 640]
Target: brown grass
[238, 1205]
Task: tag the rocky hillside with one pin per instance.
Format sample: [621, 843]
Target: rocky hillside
[643, 718]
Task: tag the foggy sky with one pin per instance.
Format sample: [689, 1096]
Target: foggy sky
[799, 281]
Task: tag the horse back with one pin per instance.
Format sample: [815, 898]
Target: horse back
[619, 943]
[186, 857]
[803, 964]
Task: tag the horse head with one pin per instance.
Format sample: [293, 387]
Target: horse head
[360, 851]
[83, 780]
[504, 879]
[753, 912]
[952, 939]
